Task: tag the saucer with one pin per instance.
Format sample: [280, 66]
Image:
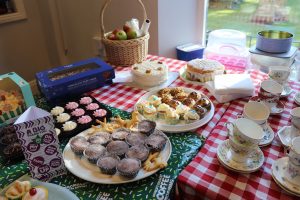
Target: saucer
[285, 135]
[268, 135]
[253, 163]
[287, 90]
[278, 170]
[297, 98]
[275, 108]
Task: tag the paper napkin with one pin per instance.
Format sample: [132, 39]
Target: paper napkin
[226, 84]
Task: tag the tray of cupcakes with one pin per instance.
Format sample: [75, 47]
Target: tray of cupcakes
[118, 152]
[176, 109]
[78, 115]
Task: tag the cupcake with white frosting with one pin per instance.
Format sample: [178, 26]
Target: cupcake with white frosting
[150, 112]
[172, 117]
[191, 116]
[69, 127]
[181, 110]
[57, 110]
[154, 100]
[62, 118]
[162, 110]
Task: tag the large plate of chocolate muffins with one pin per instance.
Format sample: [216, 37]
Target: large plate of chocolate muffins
[121, 156]
[176, 109]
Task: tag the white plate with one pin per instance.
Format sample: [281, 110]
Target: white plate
[83, 169]
[278, 171]
[55, 192]
[182, 74]
[285, 135]
[182, 126]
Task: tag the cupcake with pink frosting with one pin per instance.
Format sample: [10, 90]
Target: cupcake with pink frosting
[78, 112]
[90, 108]
[71, 106]
[85, 121]
[99, 114]
[85, 100]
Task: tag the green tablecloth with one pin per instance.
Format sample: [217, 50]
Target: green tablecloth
[158, 186]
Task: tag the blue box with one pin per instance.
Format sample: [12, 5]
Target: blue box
[189, 51]
[65, 82]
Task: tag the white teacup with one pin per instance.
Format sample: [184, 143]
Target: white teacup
[293, 170]
[270, 91]
[295, 113]
[256, 111]
[280, 74]
[239, 152]
[245, 131]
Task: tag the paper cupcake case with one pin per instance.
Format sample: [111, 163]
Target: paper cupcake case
[12, 114]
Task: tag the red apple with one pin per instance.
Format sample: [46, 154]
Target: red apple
[112, 36]
[126, 28]
[116, 30]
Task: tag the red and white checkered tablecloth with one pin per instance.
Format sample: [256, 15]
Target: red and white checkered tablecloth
[124, 97]
[205, 178]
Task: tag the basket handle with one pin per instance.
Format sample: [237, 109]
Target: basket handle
[104, 7]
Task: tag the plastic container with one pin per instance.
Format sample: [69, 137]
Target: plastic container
[229, 48]
[262, 60]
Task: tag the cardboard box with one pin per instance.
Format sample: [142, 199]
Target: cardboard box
[65, 82]
[13, 82]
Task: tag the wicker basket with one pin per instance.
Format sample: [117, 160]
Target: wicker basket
[124, 52]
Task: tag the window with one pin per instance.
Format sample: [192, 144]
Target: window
[252, 16]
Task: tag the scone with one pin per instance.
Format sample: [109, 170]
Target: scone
[203, 70]
[149, 73]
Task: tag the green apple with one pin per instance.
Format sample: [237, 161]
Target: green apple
[121, 35]
[131, 34]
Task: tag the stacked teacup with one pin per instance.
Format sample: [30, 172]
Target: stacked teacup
[295, 128]
[244, 137]
[292, 172]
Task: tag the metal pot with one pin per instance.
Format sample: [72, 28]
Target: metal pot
[274, 41]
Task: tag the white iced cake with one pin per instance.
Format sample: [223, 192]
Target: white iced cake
[150, 73]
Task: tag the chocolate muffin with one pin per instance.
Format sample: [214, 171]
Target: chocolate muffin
[108, 164]
[13, 152]
[129, 167]
[156, 141]
[120, 134]
[136, 138]
[93, 152]
[118, 148]
[146, 126]
[9, 138]
[140, 152]
[100, 138]
[78, 144]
